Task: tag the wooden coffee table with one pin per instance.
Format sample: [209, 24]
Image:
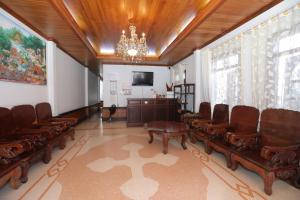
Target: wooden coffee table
[168, 129]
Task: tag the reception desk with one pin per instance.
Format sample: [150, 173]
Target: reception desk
[140, 111]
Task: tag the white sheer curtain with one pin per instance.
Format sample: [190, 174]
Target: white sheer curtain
[205, 75]
[275, 61]
[226, 73]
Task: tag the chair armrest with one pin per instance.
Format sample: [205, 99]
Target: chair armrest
[281, 156]
[242, 140]
[72, 119]
[28, 131]
[48, 132]
[49, 123]
[200, 123]
[10, 149]
[53, 126]
[217, 129]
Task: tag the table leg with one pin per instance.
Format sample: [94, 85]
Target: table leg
[183, 139]
[165, 143]
[151, 136]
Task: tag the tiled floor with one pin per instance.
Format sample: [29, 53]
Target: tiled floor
[111, 161]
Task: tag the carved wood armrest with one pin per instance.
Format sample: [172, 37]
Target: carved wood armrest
[242, 141]
[10, 150]
[50, 123]
[47, 132]
[200, 123]
[69, 119]
[28, 131]
[281, 156]
[217, 129]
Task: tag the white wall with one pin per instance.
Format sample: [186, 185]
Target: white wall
[17, 93]
[93, 88]
[70, 82]
[123, 75]
[187, 64]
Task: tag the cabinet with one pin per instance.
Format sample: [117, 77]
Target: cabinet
[140, 111]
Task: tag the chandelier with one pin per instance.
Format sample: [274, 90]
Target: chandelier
[132, 48]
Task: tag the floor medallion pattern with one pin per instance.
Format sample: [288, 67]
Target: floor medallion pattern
[138, 187]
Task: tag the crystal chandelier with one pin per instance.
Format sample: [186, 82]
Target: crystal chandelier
[132, 48]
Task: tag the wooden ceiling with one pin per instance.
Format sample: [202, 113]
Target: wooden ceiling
[89, 29]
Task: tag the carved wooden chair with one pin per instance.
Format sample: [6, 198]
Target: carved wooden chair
[201, 127]
[16, 150]
[25, 121]
[44, 117]
[204, 113]
[275, 151]
[243, 120]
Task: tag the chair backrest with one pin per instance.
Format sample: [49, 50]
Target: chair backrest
[7, 126]
[43, 111]
[205, 110]
[244, 119]
[24, 116]
[280, 127]
[221, 113]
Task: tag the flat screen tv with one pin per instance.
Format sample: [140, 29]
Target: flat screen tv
[142, 78]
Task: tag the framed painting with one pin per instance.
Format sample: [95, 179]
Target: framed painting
[22, 54]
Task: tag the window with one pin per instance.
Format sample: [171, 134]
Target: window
[288, 90]
[226, 73]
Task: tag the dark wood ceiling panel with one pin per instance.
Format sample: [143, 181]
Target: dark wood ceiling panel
[103, 21]
[84, 27]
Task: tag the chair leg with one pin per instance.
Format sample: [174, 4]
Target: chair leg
[228, 160]
[192, 138]
[62, 142]
[234, 164]
[15, 181]
[183, 139]
[269, 178]
[207, 148]
[296, 180]
[25, 169]
[47, 155]
[72, 134]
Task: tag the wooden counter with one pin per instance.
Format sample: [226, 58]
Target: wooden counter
[140, 111]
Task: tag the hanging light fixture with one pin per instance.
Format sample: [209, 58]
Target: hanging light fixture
[132, 48]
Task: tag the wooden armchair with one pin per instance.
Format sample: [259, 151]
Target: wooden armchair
[243, 121]
[202, 127]
[44, 116]
[276, 150]
[204, 113]
[25, 121]
[16, 150]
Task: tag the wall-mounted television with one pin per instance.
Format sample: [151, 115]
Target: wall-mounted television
[142, 78]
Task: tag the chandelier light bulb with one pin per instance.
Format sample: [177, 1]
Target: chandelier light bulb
[132, 52]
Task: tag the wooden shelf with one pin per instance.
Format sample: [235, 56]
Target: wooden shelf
[183, 91]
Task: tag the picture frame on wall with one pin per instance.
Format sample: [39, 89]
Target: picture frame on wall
[22, 54]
